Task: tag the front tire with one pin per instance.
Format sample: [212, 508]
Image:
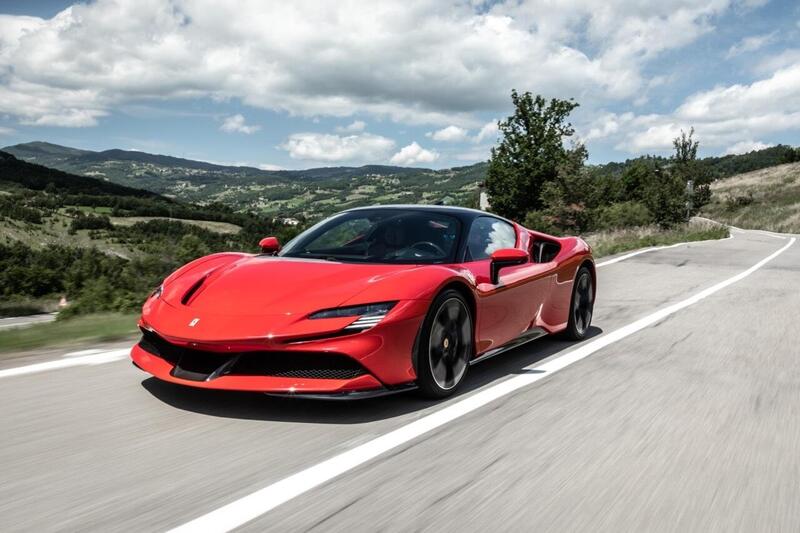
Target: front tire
[581, 307]
[445, 345]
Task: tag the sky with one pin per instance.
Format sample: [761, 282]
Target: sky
[301, 84]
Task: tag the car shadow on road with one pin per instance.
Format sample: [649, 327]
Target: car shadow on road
[256, 406]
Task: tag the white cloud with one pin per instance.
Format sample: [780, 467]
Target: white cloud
[744, 147]
[425, 63]
[353, 127]
[488, 132]
[327, 147]
[605, 125]
[750, 4]
[474, 154]
[268, 166]
[722, 117]
[751, 44]
[786, 58]
[236, 124]
[449, 134]
[414, 154]
[7, 131]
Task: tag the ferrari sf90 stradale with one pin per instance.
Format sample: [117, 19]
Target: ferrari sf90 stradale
[368, 302]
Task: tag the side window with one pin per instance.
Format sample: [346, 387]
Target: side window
[488, 234]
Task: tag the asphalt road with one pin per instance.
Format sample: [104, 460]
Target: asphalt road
[686, 421]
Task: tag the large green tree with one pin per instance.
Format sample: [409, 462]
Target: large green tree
[529, 154]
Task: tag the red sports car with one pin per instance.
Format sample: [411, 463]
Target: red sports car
[368, 302]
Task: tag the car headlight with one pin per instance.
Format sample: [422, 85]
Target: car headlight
[157, 292]
[368, 315]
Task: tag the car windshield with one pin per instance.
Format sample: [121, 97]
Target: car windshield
[380, 236]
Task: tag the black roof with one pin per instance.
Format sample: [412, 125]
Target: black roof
[460, 212]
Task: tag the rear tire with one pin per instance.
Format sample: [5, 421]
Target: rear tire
[445, 345]
[581, 306]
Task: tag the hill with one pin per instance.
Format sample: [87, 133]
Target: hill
[295, 193]
[103, 245]
[767, 199]
[317, 192]
[715, 167]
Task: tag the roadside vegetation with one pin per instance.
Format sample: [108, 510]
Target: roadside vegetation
[536, 176]
[102, 327]
[617, 241]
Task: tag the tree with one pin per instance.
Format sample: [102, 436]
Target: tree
[662, 191]
[666, 198]
[529, 154]
[568, 198]
[686, 167]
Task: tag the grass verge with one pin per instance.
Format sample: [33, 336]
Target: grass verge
[614, 242]
[77, 330]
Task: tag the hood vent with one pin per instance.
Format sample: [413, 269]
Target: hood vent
[193, 289]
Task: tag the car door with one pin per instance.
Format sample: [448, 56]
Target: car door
[511, 307]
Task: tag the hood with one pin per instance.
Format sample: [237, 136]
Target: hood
[264, 285]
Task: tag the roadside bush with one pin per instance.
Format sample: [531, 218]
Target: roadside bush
[539, 221]
[623, 215]
[734, 202]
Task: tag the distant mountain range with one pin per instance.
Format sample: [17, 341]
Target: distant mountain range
[287, 192]
[317, 191]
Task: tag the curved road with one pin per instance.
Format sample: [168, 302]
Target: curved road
[682, 412]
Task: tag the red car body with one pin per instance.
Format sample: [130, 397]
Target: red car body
[240, 321]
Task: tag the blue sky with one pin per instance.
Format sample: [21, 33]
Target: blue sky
[302, 84]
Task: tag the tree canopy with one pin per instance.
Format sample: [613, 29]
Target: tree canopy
[529, 153]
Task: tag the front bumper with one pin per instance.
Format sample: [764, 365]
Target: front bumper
[371, 363]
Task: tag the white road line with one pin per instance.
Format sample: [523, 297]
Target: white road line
[760, 232]
[82, 352]
[634, 254]
[252, 506]
[94, 359]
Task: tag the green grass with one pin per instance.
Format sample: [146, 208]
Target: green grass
[624, 240]
[76, 330]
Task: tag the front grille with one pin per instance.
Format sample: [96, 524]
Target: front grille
[202, 365]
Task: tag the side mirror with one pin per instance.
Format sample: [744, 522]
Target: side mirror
[270, 245]
[505, 257]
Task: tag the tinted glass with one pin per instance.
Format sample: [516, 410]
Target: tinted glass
[380, 236]
[488, 234]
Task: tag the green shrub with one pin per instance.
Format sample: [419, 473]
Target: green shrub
[539, 221]
[623, 215]
[93, 222]
[734, 202]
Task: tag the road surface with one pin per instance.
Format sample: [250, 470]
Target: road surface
[680, 413]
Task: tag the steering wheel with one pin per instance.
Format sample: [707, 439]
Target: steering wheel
[429, 245]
